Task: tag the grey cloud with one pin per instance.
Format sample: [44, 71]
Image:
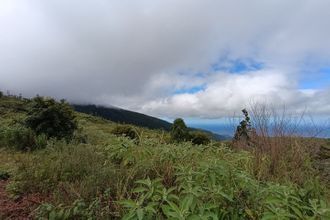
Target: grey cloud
[130, 53]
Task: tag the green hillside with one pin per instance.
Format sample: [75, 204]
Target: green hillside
[124, 116]
[129, 117]
[99, 174]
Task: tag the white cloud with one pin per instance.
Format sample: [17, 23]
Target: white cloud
[228, 93]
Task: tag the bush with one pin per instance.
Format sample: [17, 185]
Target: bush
[54, 119]
[64, 168]
[199, 138]
[21, 138]
[1, 94]
[125, 130]
[179, 131]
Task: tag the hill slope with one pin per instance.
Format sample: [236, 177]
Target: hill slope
[124, 116]
[129, 117]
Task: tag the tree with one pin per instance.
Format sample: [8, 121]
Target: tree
[54, 119]
[179, 131]
[244, 130]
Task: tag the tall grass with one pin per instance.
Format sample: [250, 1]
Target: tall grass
[282, 150]
[160, 181]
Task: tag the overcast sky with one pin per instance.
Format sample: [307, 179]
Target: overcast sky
[187, 58]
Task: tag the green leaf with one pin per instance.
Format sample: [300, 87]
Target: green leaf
[52, 215]
[186, 202]
[297, 212]
[140, 214]
[139, 189]
[128, 203]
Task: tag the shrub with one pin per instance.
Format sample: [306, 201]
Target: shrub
[179, 131]
[41, 141]
[20, 138]
[199, 138]
[54, 119]
[125, 130]
[73, 169]
[1, 94]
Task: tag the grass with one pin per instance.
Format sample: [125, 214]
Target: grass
[113, 177]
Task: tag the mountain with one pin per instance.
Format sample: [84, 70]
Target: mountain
[124, 116]
[129, 117]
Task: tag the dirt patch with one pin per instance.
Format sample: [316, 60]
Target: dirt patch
[20, 208]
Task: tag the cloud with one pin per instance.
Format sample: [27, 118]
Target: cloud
[136, 55]
[228, 93]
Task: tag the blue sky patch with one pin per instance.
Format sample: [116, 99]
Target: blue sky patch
[191, 90]
[237, 65]
[316, 80]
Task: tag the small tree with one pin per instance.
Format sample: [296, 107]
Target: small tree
[54, 119]
[1, 94]
[179, 131]
[244, 130]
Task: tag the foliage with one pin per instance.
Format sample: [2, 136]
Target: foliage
[4, 175]
[54, 119]
[199, 138]
[179, 130]
[71, 166]
[171, 181]
[78, 210]
[124, 116]
[125, 130]
[111, 177]
[244, 131]
[21, 138]
[1, 94]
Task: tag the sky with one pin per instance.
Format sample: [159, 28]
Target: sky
[196, 59]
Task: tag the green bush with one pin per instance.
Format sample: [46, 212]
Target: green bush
[199, 138]
[61, 166]
[54, 119]
[179, 131]
[21, 138]
[41, 141]
[125, 130]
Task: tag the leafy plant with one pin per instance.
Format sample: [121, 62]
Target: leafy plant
[179, 130]
[54, 119]
[199, 138]
[21, 138]
[125, 130]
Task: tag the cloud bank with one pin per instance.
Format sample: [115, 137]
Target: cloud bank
[150, 56]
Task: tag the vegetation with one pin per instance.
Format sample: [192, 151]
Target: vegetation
[114, 177]
[124, 116]
[54, 119]
[244, 131]
[179, 131]
[21, 138]
[125, 130]
[199, 138]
